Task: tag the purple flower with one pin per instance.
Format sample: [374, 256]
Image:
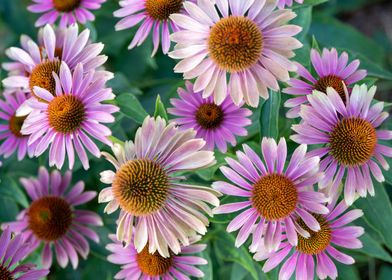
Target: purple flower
[332, 71]
[350, 135]
[52, 220]
[156, 207]
[289, 3]
[216, 124]
[13, 250]
[70, 11]
[236, 47]
[155, 16]
[319, 247]
[66, 120]
[273, 196]
[11, 138]
[145, 265]
[34, 64]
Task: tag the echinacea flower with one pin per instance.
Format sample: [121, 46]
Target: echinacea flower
[67, 120]
[69, 11]
[216, 124]
[332, 71]
[273, 196]
[289, 3]
[11, 138]
[236, 47]
[317, 250]
[144, 265]
[350, 135]
[155, 16]
[52, 220]
[156, 207]
[39, 61]
[12, 251]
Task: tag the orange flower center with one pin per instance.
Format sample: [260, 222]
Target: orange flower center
[141, 187]
[66, 113]
[15, 126]
[352, 141]
[209, 116]
[50, 217]
[5, 274]
[235, 43]
[162, 9]
[66, 5]
[318, 241]
[331, 81]
[42, 76]
[274, 196]
[153, 264]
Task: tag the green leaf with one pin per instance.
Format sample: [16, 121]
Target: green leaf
[131, 107]
[373, 248]
[225, 251]
[207, 269]
[347, 271]
[120, 84]
[115, 140]
[269, 116]
[315, 44]
[303, 19]
[10, 189]
[160, 109]
[385, 272]
[331, 32]
[377, 212]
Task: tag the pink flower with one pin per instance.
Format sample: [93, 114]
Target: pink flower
[237, 47]
[11, 138]
[67, 120]
[351, 137]
[34, 64]
[145, 265]
[12, 250]
[69, 11]
[156, 207]
[272, 197]
[289, 3]
[155, 18]
[319, 247]
[216, 124]
[51, 218]
[332, 71]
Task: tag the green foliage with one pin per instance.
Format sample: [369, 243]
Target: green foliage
[269, 116]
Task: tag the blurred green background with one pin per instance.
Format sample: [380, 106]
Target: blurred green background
[363, 28]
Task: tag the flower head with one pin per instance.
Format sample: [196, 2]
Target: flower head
[69, 11]
[12, 251]
[11, 138]
[332, 71]
[156, 207]
[317, 250]
[155, 18]
[35, 63]
[351, 139]
[247, 42]
[216, 124]
[66, 119]
[145, 265]
[289, 3]
[274, 196]
[51, 218]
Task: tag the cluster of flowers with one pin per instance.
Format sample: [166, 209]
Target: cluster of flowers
[236, 52]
